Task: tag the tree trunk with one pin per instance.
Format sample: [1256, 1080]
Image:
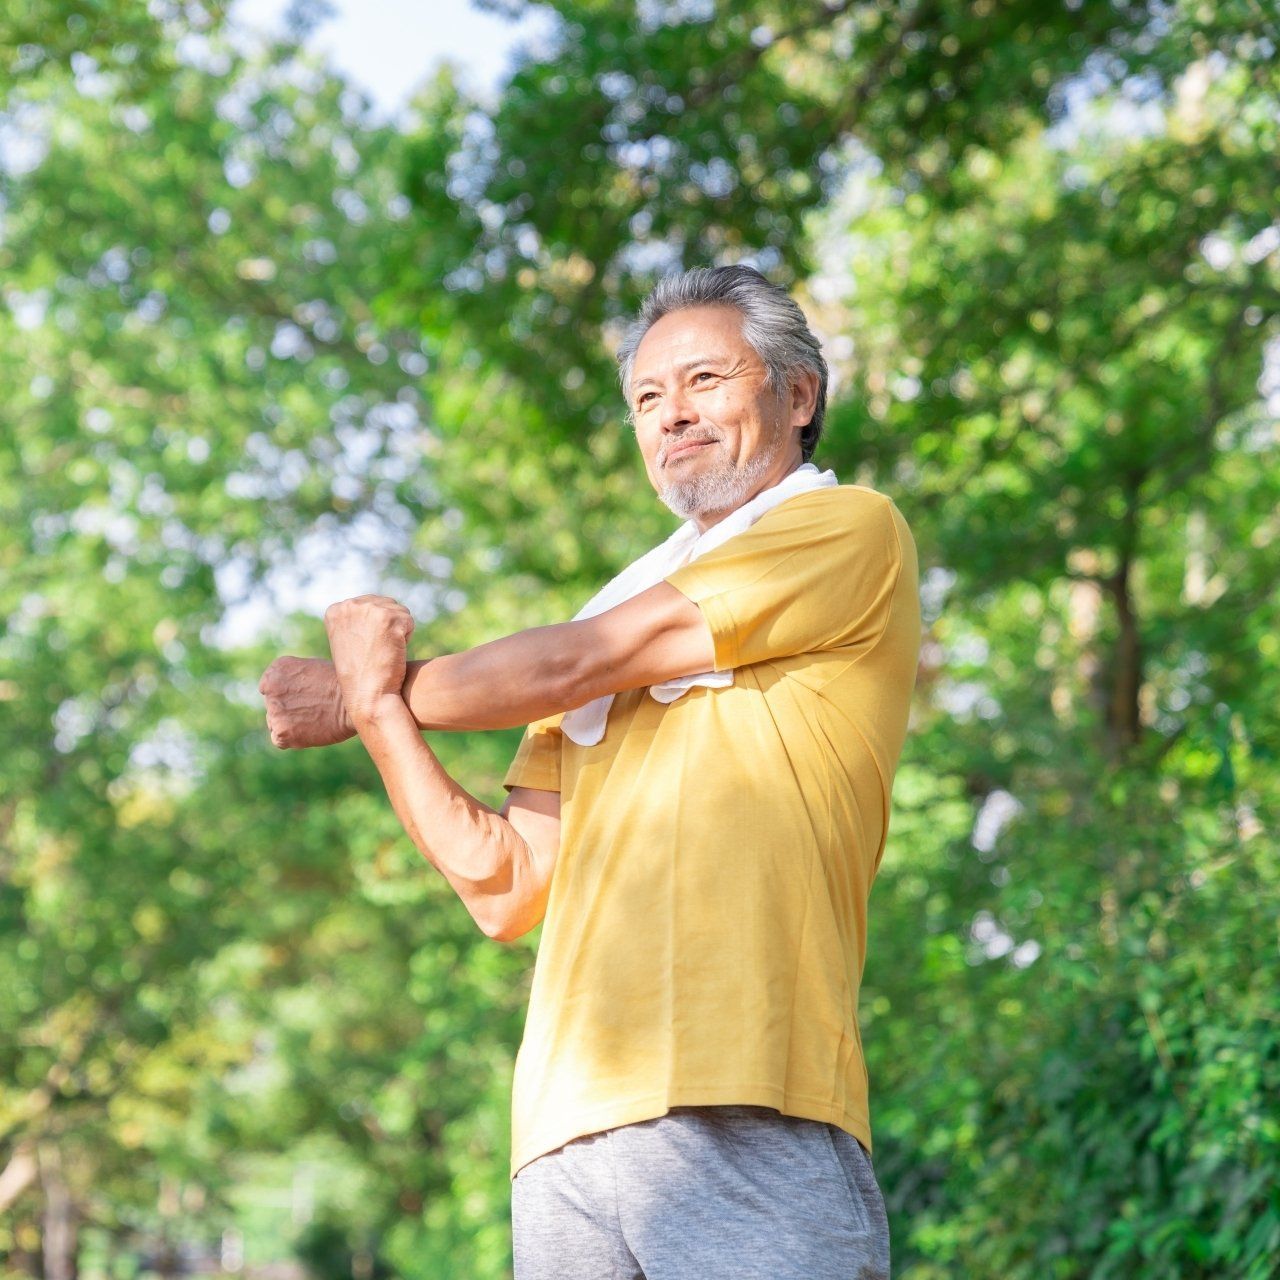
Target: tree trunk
[1124, 719]
[59, 1243]
[1124, 724]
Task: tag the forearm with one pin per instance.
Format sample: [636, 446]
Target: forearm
[655, 636]
[482, 856]
[504, 684]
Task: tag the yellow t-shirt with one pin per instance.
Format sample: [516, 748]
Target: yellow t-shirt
[705, 930]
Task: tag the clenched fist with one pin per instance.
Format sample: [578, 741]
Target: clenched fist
[304, 703]
[368, 638]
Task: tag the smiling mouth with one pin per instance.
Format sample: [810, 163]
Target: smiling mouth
[684, 449]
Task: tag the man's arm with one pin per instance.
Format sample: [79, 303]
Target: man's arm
[653, 637]
[499, 864]
[535, 815]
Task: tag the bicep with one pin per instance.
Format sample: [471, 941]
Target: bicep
[534, 815]
[655, 636]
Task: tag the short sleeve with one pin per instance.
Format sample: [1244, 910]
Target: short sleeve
[537, 758]
[817, 572]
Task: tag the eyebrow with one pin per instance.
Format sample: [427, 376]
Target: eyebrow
[683, 368]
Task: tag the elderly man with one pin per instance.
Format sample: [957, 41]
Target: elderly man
[696, 813]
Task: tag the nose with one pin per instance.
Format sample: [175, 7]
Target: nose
[677, 412]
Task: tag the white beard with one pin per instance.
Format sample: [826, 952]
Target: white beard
[719, 486]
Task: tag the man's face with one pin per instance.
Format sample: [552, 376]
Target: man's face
[711, 432]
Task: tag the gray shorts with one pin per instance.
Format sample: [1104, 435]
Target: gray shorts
[703, 1193]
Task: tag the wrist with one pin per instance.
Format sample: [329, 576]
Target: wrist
[342, 716]
[375, 712]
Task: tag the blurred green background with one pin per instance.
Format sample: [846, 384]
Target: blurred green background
[263, 341]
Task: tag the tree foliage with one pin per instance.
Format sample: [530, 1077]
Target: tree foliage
[251, 333]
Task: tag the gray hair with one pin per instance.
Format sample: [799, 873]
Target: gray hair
[772, 324]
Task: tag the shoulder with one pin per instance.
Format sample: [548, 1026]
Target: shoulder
[841, 526]
[840, 509]
[844, 497]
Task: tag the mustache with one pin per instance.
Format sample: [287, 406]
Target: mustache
[680, 444]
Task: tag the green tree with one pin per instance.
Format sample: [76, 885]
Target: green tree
[196, 393]
[248, 330]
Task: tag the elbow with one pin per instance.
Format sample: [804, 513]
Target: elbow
[503, 931]
[494, 927]
[582, 669]
[510, 927]
[495, 922]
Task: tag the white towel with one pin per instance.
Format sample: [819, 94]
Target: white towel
[585, 724]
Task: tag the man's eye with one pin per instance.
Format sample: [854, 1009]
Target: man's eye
[703, 374]
[647, 395]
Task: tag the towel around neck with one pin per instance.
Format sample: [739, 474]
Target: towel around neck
[585, 725]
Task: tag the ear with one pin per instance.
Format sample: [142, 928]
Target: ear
[804, 397]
